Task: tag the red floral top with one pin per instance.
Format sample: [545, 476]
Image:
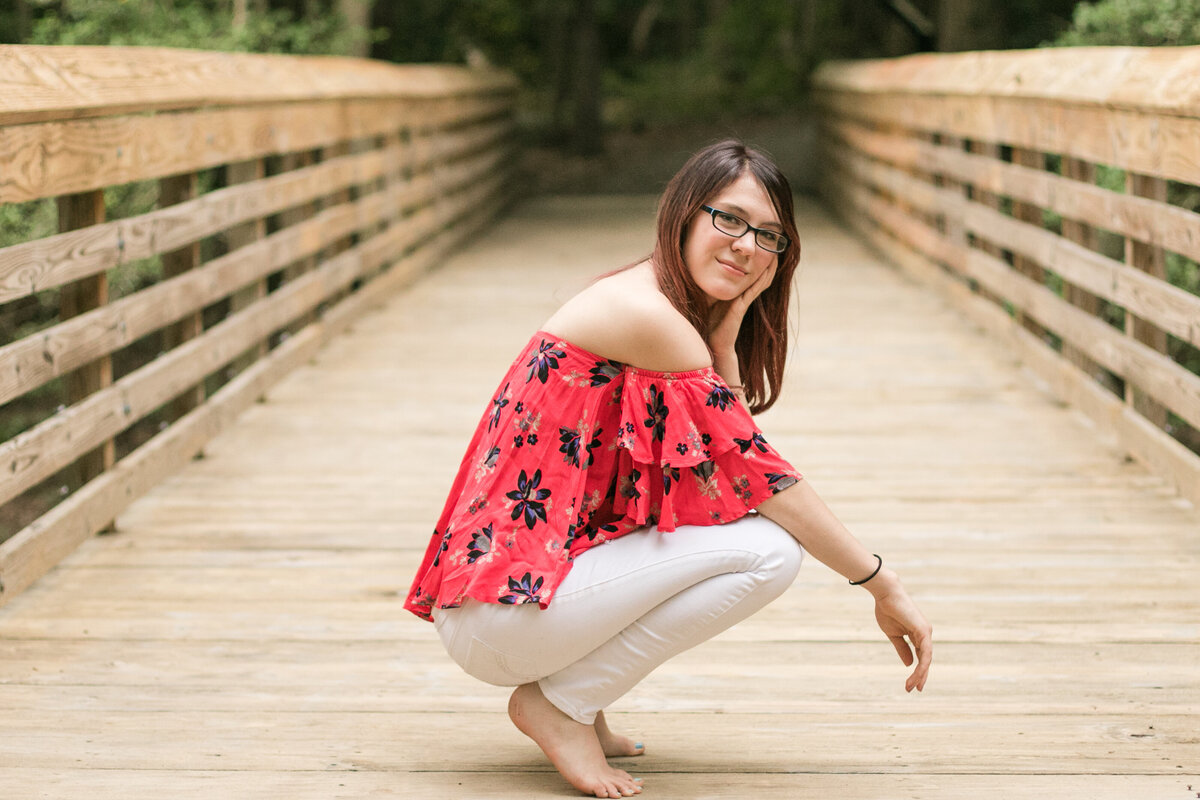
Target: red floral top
[576, 450]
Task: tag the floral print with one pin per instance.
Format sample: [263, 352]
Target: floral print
[480, 544]
[498, 404]
[523, 591]
[571, 442]
[623, 448]
[658, 411]
[544, 360]
[720, 397]
[755, 440]
[605, 371]
[529, 497]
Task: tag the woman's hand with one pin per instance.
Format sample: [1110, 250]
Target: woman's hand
[904, 624]
[803, 514]
[726, 318]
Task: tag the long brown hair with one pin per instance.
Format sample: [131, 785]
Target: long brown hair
[763, 339]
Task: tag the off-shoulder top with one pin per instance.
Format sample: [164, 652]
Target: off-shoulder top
[575, 450]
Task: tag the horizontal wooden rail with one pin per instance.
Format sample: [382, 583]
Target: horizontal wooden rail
[1170, 227]
[54, 260]
[330, 182]
[979, 173]
[41, 83]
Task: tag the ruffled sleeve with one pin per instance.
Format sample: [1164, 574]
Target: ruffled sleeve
[692, 454]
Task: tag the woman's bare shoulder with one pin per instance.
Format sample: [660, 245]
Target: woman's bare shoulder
[626, 318]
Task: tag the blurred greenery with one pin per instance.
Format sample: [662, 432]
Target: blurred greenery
[198, 24]
[1143, 23]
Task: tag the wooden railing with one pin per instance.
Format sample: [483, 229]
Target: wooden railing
[286, 195]
[1050, 193]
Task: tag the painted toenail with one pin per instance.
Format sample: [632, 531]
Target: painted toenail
[639, 746]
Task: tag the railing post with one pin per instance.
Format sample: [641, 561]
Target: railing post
[1150, 259]
[81, 211]
[1033, 215]
[336, 199]
[952, 224]
[239, 236]
[992, 201]
[1085, 235]
[294, 161]
[172, 191]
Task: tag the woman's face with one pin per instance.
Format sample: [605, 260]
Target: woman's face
[724, 266]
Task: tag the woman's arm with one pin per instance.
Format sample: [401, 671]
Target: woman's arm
[805, 516]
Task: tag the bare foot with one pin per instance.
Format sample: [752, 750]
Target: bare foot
[615, 746]
[571, 746]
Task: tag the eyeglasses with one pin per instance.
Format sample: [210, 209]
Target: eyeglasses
[733, 225]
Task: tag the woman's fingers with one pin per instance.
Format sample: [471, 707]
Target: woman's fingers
[726, 322]
[902, 649]
[909, 633]
[760, 285]
[924, 647]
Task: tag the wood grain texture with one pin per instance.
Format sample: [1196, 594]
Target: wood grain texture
[41, 83]
[30, 362]
[534, 783]
[1151, 371]
[901, 167]
[77, 301]
[1174, 309]
[52, 158]
[1147, 79]
[1162, 145]
[1144, 219]
[34, 549]
[921, 251]
[242, 631]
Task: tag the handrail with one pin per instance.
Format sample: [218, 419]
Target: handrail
[293, 193]
[990, 175]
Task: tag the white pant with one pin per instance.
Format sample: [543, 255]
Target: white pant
[625, 607]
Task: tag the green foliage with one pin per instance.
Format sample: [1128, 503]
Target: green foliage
[22, 222]
[506, 31]
[1142, 23]
[753, 46]
[1111, 178]
[748, 60]
[197, 24]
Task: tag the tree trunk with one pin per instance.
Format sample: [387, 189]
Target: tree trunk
[24, 21]
[587, 136]
[643, 26]
[357, 14]
[808, 32]
[689, 26]
[556, 47]
[954, 30]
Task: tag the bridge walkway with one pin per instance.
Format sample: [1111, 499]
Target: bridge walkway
[242, 635]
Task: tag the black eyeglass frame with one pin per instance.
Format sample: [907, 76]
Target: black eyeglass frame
[712, 212]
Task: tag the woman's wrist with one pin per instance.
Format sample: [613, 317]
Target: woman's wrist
[884, 583]
[726, 365]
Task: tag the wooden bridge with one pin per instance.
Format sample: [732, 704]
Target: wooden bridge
[238, 631]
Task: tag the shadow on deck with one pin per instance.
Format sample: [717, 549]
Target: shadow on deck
[242, 634]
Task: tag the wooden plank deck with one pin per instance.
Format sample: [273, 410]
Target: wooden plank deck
[242, 634]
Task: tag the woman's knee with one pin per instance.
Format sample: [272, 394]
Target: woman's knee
[466, 632]
[781, 553]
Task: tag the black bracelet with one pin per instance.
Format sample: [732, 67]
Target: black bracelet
[878, 567]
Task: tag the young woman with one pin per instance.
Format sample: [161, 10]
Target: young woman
[617, 504]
